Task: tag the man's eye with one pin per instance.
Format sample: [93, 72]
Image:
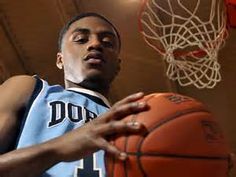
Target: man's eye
[108, 43]
[81, 40]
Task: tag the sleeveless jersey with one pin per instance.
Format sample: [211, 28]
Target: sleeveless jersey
[53, 111]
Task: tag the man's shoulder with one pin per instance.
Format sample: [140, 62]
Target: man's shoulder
[15, 93]
[23, 79]
[18, 86]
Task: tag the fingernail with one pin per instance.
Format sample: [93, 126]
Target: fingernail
[139, 94]
[122, 156]
[138, 104]
[134, 124]
[141, 104]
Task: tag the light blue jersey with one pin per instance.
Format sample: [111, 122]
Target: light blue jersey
[53, 111]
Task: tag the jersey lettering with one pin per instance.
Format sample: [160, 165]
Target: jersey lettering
[75, 113]
[89, 115]
[88, 168]
[57, 112]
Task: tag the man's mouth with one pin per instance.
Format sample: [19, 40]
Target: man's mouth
[94, 58]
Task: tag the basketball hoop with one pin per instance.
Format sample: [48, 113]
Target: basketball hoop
[188, 41]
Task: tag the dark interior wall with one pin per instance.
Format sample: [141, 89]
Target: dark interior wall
[28, 40]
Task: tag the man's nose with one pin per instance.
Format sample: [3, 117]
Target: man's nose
[95, 44]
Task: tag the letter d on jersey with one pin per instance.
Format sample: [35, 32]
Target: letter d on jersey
[75, 113]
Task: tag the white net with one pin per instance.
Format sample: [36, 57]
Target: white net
[189, 35]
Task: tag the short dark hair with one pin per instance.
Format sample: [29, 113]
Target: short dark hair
[78, 17]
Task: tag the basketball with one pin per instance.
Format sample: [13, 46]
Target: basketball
[181, 139]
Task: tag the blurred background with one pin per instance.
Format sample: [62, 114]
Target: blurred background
[28, 45]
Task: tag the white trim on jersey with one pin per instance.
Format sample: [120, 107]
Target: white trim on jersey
[95, 167]
[90, 92]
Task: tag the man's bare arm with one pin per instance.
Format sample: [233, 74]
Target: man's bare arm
[14, 95]
[33, 161]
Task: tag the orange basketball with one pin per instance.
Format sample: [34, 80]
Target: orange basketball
[182, 139]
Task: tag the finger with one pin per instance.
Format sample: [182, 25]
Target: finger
[117, 113]
[130, 98]
[113, 150]
[118, 127]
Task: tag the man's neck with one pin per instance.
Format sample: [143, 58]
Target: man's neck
[90, 86]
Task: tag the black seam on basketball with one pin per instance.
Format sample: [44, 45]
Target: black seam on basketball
[179, 156]
[125, 163]
[172, 117]
[138, 153]
[140, 164]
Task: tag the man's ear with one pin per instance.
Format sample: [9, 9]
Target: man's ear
[59, 61]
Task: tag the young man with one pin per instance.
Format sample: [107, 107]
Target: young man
[41, 132]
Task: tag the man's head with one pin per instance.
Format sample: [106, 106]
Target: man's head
[78, 17]
[89, 48]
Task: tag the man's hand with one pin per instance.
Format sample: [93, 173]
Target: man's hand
[93, 135]
[76, 144]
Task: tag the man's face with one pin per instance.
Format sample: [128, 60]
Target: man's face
[90, 50]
